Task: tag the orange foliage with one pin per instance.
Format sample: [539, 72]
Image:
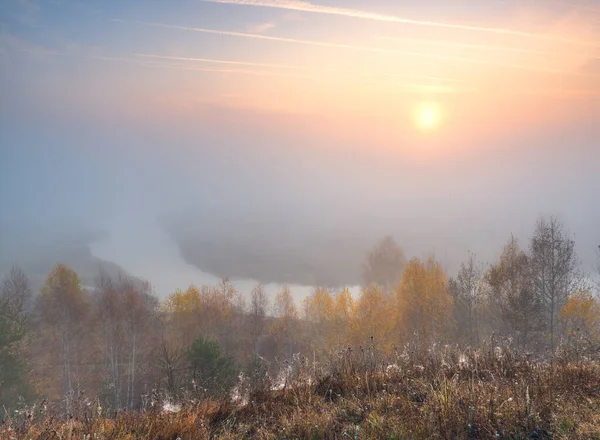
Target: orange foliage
[374, 319]
[581, 317]
[423, 304]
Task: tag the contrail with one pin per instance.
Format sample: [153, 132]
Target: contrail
[197, 69]
[292, 66]
[211, 60]
[304, 6]
[461, 45]
[564, 93]
[404, 85]
[431, 88]
[358, 47]
[236, 71]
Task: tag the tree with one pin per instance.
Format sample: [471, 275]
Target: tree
[287, 318]
[343, 309]
[555, 270]
[581, 318]
[257, 314]
[183, 310]
[62, 307]
[14, 295]
[127, 331]
[171, 364]
[319, 306]
[217, 312]
[467, 291]
[108, 313]
[318, 310]
[384, 264]
[598, 269]
[424, 305]
[13, 370]
[210, 370]
[513, 293]
[374, 320]
[138, 318]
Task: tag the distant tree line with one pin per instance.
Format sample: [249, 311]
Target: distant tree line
[119, 344]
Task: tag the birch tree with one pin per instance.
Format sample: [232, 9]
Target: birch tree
[257, 314]
[517, 303]
[467, 291]
[424, 304]
[287, 319]
[62, 306]
[555, 270]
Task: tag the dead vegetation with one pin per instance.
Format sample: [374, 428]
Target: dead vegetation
[447, 393]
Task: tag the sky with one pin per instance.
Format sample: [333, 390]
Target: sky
[285, 131]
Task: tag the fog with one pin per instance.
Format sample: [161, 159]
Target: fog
[176, 204]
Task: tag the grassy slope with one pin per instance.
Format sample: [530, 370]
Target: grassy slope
[477, 395]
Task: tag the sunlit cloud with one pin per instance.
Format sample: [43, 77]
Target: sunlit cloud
[304, 6]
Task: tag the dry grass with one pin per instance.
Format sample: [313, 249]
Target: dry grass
[357, 394]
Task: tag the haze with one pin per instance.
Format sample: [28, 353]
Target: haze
[275, 140]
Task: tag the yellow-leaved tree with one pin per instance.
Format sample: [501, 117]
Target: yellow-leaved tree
[285, 326]
[374, 319]
[343, 309]
[329, 316]
[580, 317]
[183, 309]
[318, 311]
[424, 306]
[207, 310]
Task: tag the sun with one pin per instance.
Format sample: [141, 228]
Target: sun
[428, 116]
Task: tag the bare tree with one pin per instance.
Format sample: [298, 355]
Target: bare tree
[257, 313]
[110, 325]
[513, 293]
[124, 312]
[598, 269]
[15, 293]
[287, 318]
[138, 304]
[384, 264]
[172, 367]
[555, 270]
[467, 290]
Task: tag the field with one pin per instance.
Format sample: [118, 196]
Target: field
[445, 393]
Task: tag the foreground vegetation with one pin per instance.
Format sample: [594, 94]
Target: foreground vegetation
[443, 393]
